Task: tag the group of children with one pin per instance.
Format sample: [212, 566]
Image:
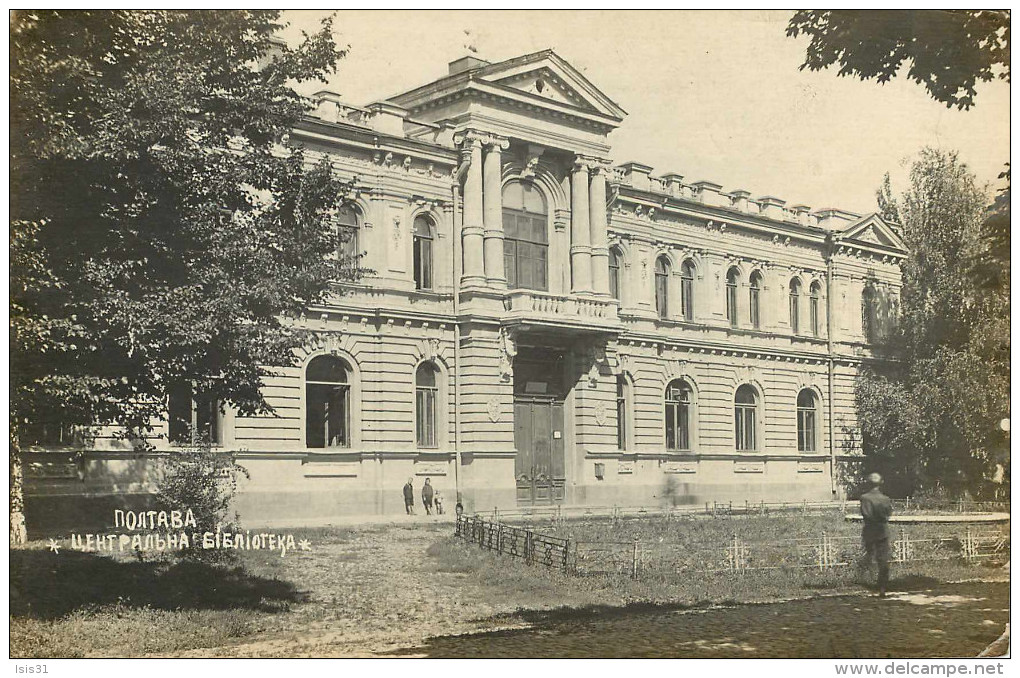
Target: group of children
[430, 497]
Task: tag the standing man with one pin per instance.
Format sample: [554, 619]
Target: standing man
[876, 509]
[409, 497]
[426, 496]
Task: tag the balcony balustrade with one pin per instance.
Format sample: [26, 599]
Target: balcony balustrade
[542, 308]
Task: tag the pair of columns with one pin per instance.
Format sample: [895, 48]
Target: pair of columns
[589, 236]
[482, 231]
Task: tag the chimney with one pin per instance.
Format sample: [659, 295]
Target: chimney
[387, 118]
[673, 182]
[771, 207]
[467, 63]
[709, 193]
[635, 174]
[327, 105]
[803, 213]
[738, 199]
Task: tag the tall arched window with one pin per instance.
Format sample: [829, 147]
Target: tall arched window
[622, 412]
[327, 403]
[662, 286]
[426, 390]
[731, 296]
[816, 294]
[525, 237]
[868, 313]
[745, 418]
[687, 289]
[678, 415]
[422, 253]
[754, 300]
[807, 420]
[348, 220]
[795, 306]
[615, 258]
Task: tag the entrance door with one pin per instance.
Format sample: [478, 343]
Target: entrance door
[538, 437]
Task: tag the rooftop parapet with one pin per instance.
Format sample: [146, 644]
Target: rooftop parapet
[772, 207]
[710, 193]
[832, 219]
[635, 174]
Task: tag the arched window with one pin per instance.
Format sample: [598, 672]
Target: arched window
[662, 286]
[194, 417]
[745, 418]
[731, 296]
[754, 300]
[422, 253]
[615, 257]
[687, 289]
[795, 306]
[622, 412]
[807, 418]
[327, 403]
[525, 237]
[868, 313]
[678, 415]
[816, 293]
[348, 221]
[426, 389]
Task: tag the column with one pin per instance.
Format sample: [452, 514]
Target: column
[580, 234]
[471, 229]
[493, 201]
[599, 231]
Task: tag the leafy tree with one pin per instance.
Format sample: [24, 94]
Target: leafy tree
[932, 420]
[949, 51]
[160, 230]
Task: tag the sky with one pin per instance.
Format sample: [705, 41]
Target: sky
[711, 95]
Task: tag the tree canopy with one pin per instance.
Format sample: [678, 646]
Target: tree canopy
[949, 51]
[160, 228]
[932, 421]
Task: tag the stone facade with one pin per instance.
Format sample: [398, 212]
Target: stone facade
[564, 296]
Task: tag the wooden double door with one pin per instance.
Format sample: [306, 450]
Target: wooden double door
[538, 437]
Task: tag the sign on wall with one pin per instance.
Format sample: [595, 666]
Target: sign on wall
[749, 467]
[430, 468]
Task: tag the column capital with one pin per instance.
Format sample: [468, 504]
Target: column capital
[474, 137]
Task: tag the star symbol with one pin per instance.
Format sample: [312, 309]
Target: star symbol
[54, 546]
[305, 545]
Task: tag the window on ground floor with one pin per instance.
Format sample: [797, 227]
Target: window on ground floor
[327, 402]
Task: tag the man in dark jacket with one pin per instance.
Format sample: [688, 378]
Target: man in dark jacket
[426, 496]
[876, 509]
[409, 497]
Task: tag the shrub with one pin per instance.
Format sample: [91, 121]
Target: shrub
[203, 480]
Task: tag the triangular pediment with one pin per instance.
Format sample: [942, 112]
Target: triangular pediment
[873, 230]
[548, 76]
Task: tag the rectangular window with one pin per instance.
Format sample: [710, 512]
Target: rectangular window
[621, 422]
[422, 263]
[687, 298]
[731, 304]
[806, 430]
[794, 314]
[661, 300]
[755, 315]
[743, 425]
[814, 316]
[425, 407]
[677, 426]
[328, 415]
[194, 417]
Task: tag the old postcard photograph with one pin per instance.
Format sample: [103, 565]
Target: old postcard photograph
[525, 334]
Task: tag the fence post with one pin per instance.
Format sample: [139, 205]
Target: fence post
[904, 546]
[634, 561]
[968, 546]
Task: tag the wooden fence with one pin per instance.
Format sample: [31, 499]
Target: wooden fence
[650, 558]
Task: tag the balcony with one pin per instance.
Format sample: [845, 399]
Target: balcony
[543, 310]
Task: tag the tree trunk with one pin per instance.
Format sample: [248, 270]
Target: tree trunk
[19, 535]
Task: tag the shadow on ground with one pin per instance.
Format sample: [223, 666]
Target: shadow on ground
[47, 585]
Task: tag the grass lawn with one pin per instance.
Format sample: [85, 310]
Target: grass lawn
[359, 591]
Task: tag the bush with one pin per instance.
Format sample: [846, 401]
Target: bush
[204, 481]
